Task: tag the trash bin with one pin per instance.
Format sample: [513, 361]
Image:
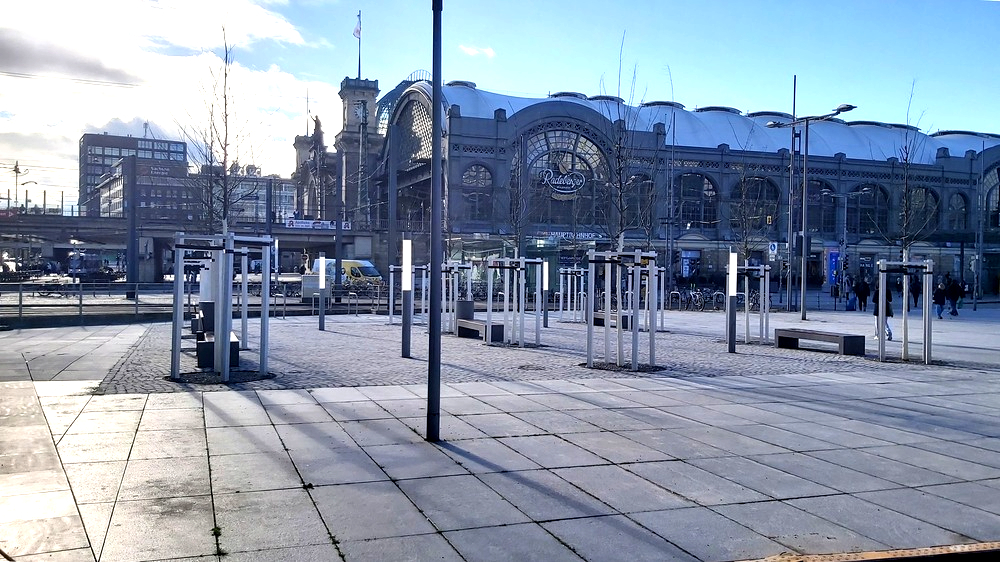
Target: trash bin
[465, 310]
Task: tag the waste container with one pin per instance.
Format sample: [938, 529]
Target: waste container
[465, 310]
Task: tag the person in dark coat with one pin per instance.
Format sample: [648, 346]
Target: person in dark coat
[863, 291]
[939, 298]
[916, 288]
[953, 291]
[888, 312]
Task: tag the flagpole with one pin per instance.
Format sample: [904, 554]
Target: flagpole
[358, 34]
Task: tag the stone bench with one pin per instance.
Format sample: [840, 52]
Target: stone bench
[600, 316]
[847, 344]
[477, 329]
[205, 350]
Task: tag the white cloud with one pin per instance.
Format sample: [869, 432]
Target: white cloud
[488, 52]
[153, 61]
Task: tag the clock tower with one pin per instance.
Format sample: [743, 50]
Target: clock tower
[358, 145]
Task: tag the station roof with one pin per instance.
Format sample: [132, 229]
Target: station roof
[711, 126]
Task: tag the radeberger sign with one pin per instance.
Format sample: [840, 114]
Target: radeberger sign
[563, 184]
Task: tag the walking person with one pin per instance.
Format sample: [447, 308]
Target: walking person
[888, 312]
[863, 290]
[953, 291]
[916, 288]
[939, 298]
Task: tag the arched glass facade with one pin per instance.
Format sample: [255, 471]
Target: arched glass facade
[560, 184]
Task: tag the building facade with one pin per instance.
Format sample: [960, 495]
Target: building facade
[99, 153]
[559, 175]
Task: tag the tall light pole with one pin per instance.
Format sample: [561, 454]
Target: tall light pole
[842, 108]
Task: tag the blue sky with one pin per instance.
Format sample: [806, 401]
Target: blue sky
[59, 77]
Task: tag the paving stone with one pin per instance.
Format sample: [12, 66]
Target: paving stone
[765, 479]
[797, 529]
[947, 514]
[526, 542]
[693, 483]
[460, 502]
[415, 548]
[248, 520]
[621, 489]
[387, 511]
[878, 523]
[600, 538]
[413, 460]
[707, 535]
[544, 496]
[137, 529]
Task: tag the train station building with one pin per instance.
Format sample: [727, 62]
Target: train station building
[558, 175]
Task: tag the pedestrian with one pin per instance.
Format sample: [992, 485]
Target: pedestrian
[888, 312]
[916, 287]
[953, 292]
[863, 290]
[939, 298]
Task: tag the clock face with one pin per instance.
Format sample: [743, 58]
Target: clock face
[359, 111]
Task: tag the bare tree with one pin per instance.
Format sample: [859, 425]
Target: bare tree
[627, 199]
[216, 145]
[918, 206]
[753, 206]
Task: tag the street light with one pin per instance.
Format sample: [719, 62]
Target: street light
[842, 108]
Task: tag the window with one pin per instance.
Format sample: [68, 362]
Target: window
[697, 205]
[176, 147]
[991, 183]
[145, 144]
[957, 218]
[822, 209]
[160, 155]
[97, 150]
[565, 172]
[919, 212]
[753, 200]
[477, 175]
[868, 211]
[147, 154]
[159, 145]
[177, 156]
[112, 151]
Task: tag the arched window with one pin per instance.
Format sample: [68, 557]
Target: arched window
[697, 202]
[868, 210]
[957, 217]
[477, 175]
[991, 183]
[477, 192]
[822, 210]
[753, 207]
[919, 211]
[559, 184]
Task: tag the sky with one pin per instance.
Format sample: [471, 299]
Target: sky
[69, 67]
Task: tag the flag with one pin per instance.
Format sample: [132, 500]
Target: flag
[357, 28]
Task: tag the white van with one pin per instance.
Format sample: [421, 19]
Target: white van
[351, 271]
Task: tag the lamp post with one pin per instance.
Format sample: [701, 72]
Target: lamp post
[842, 108]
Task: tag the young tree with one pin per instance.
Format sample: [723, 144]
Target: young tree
[628, 199]
[753, 206]
[217, 143]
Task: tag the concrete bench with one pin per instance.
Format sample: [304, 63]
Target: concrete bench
[599, 319]
[205, 350]
[847, 344]
[477, 329]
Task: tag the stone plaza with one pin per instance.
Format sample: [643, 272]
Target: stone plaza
[716, 457]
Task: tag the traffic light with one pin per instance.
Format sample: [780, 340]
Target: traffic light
[847, 260]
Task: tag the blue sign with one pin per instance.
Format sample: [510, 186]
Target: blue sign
[832, 267]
